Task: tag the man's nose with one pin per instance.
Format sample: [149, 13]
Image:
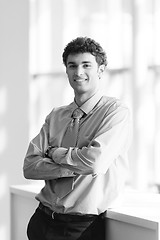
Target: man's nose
[79, 71]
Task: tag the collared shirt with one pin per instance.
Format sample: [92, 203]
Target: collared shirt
[98, 163]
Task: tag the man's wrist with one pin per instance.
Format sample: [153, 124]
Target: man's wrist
[50, 151]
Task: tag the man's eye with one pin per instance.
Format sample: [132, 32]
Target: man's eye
[87, 66]
[72, 66]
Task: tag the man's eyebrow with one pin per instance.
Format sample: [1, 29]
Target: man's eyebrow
[76, 63]
[86, 62]
[71, 63]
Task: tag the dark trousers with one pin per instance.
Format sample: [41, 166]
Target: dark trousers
[42, 227]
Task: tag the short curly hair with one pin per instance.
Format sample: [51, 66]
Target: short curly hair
[83, 45]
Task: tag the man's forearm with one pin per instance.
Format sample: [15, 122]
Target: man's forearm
[38, 168]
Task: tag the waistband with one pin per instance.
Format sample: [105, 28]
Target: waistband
[66, 217]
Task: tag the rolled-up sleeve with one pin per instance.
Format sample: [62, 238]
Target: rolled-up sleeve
[111, 141]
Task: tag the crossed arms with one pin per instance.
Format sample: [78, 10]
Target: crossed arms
[110, 141]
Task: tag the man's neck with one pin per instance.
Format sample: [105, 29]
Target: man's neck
[82, 98]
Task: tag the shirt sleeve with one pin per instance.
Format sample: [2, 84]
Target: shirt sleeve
[36, 165]
[111, 142]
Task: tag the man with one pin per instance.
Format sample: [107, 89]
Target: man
[81, 155]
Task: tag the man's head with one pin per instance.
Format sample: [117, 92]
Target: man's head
[85, 45]
[85, 62]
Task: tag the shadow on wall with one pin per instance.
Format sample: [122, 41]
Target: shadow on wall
[3, 170]
[13, 142]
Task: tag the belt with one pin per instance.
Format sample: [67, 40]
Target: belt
[67, 217]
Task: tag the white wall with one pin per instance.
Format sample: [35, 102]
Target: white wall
[14, 98]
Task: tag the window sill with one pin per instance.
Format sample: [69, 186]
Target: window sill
[137, 208]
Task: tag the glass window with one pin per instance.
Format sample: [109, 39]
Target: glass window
[130, 33]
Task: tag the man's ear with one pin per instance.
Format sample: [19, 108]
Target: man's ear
[101, 70]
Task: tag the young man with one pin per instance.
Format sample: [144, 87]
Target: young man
[80, 153]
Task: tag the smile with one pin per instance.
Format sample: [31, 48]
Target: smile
[80, 80]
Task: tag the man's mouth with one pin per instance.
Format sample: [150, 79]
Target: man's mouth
[80, 79]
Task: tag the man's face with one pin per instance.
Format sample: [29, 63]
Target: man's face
[83, 73]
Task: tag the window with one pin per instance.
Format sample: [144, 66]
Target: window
[130, 33]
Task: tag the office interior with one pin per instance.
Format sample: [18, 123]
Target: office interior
[33, 34]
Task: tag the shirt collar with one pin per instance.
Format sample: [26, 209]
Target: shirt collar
[90, 103]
